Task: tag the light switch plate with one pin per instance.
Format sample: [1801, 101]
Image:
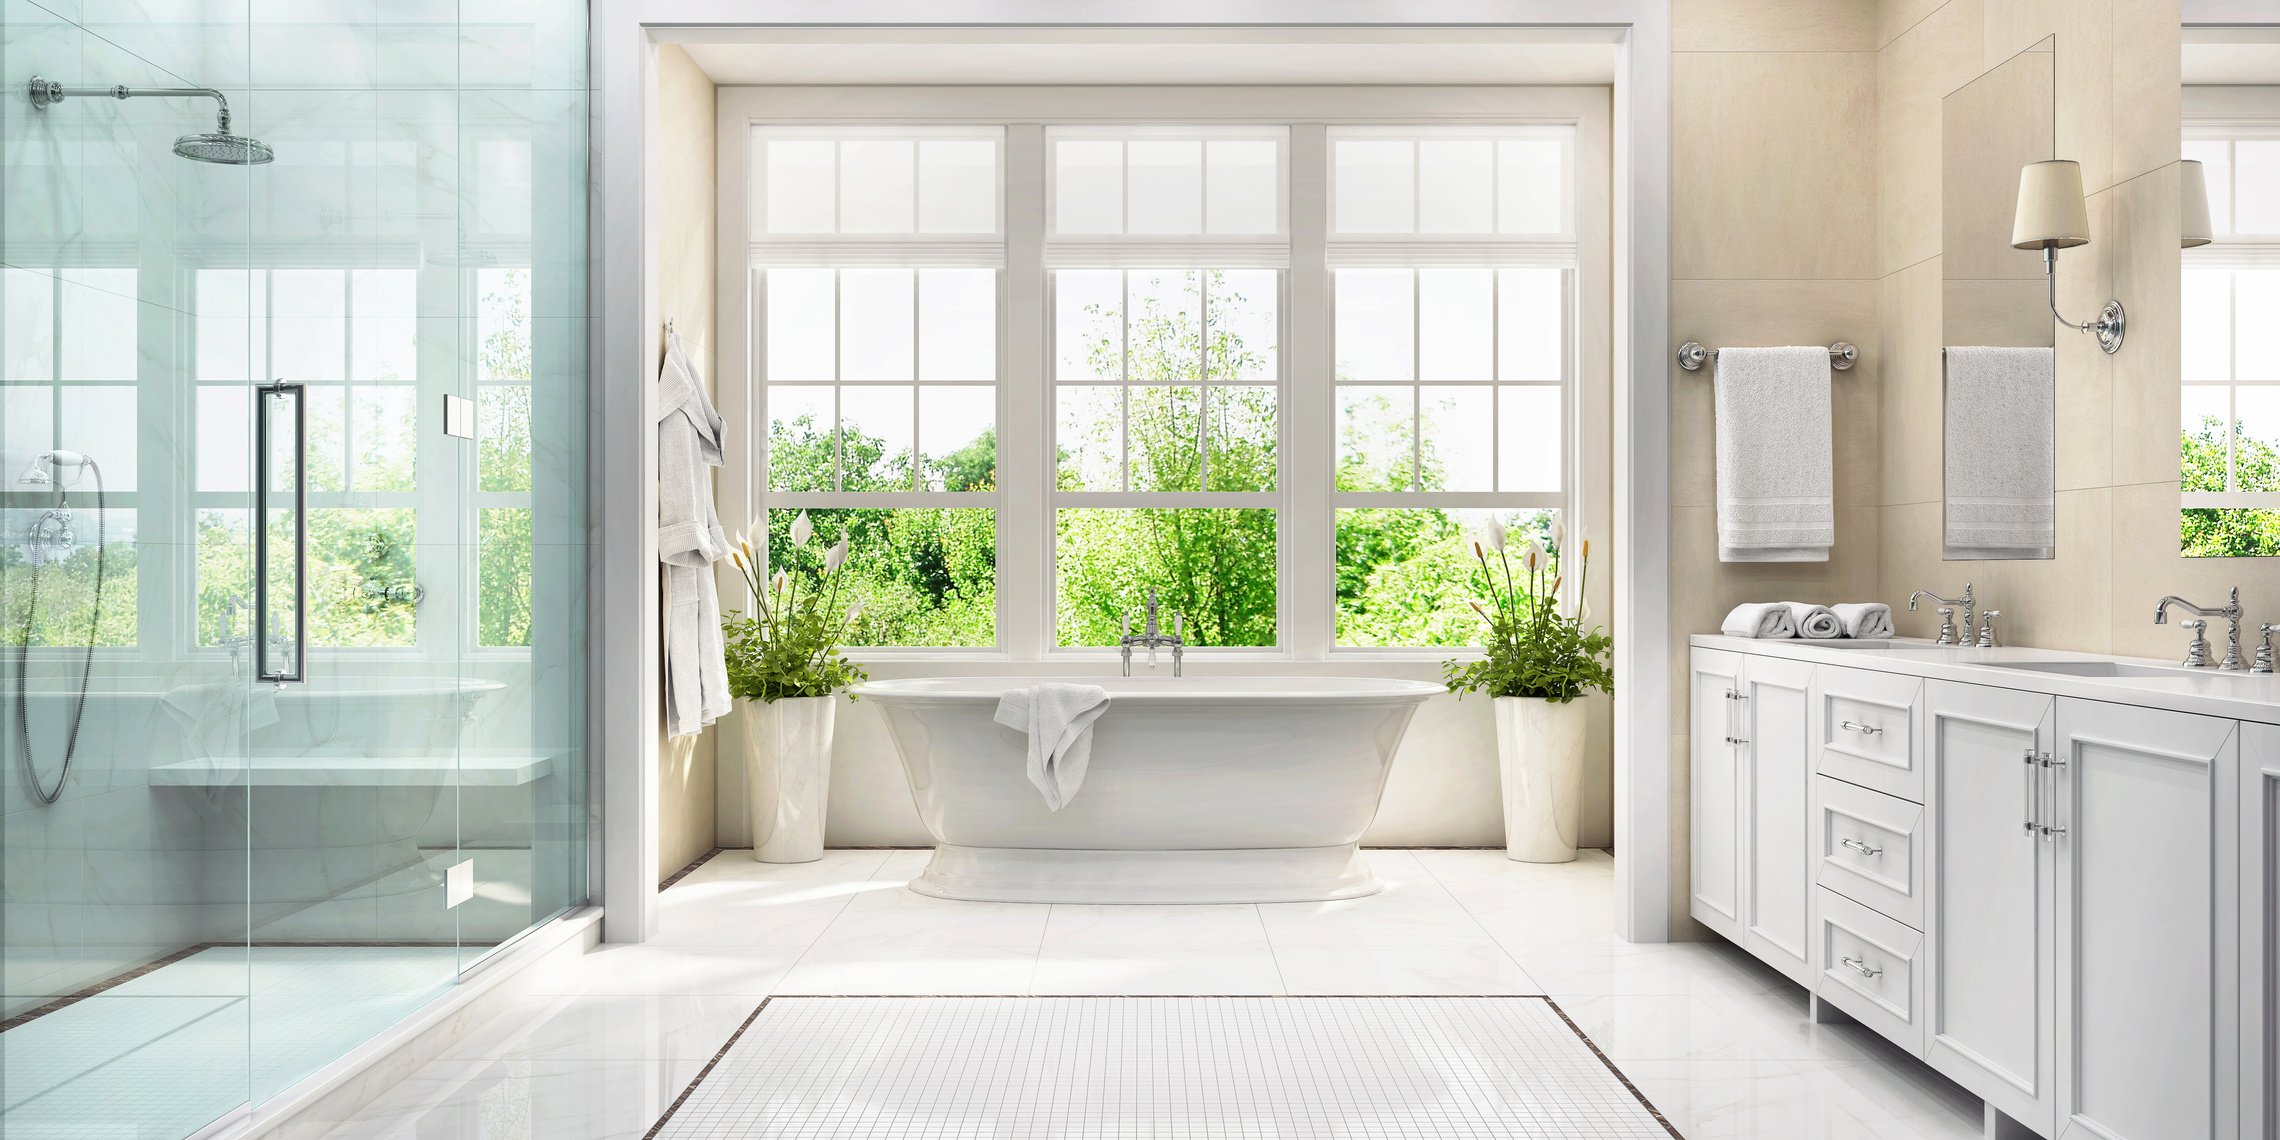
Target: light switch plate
[458, 416]
[459, 883]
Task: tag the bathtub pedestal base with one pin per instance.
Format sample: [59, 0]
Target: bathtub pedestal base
[1042, 875]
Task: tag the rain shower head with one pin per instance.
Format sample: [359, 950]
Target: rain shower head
[218, 145]
[224, 148]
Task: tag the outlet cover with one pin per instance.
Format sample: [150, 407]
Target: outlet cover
[459, 883]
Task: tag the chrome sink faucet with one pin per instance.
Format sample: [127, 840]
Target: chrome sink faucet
[2197, 653]
[2264, 651]
[1947, 625]
[1152, 638]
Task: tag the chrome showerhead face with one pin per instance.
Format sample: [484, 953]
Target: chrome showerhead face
[224, 148]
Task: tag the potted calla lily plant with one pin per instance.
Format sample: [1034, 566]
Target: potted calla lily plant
[786, 667]
[1538, 658]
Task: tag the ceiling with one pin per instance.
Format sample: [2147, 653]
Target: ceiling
[1145, 56]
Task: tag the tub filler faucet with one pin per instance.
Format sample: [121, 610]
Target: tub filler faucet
[2197, 654]
[1151, 637]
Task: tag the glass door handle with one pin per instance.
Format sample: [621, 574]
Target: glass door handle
[262, 476]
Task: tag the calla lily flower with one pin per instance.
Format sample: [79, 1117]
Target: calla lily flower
[835, 557]
[1496, 532]
[856, 610]
[780, 581]
[802, 529]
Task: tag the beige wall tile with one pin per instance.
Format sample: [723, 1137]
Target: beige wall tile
[1990, 127]
[1914, 73]
[2013, 313]
[1895, 17]
[2085, 88]
[2145, 105]
[1754, 193]
[2142, 239]
[1909, 455]
[2013, 26]
[1773, 25]
[2055, 603]
[2085, 371]
[1776, 312]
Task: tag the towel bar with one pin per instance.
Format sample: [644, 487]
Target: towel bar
[1692, 356]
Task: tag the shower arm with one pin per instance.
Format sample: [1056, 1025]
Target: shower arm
[47, 91]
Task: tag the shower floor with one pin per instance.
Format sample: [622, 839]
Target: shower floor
[169, 1051]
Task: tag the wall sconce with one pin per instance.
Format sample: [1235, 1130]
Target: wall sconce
[2052, 217]
[2193, 205]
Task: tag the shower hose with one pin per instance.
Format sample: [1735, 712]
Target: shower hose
[23, 644]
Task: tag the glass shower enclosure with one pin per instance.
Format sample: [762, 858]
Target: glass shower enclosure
[293, 545]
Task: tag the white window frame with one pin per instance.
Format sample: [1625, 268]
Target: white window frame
[2228, 251]
[1304, 500]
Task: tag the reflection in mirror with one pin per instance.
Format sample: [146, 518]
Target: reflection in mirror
[2000, 467]
[2229, 186]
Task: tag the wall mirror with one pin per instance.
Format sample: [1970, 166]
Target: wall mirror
[2229, 247]
[2000, 432]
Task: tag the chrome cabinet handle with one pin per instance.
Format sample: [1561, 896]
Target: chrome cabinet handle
[2051, 766]
[1860, 967]
[2033, 794]
[1736, 740]
[1863, 729]
[261, 478]
[1857, 845]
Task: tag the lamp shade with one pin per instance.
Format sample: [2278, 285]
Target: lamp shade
[2051, 214]
[2193, 205]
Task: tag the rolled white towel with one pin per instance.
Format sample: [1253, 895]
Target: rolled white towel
[1815, 622]
[1864, 619]
[1761, 620]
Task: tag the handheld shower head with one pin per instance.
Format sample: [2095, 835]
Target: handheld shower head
[48, 468]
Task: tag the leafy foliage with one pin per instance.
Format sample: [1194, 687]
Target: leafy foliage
[789, 646]
[2228, 532]
[1534, 649]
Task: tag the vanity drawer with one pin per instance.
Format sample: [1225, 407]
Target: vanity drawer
[1865, 729]
[1867, 846]
[1868, 969]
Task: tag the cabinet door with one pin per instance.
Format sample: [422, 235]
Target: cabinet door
[2139, 810]
[1989, 961]
[2259, 924]
[1777, 863]
[1714, 689]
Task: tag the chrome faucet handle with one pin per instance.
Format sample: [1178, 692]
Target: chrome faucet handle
[1987, 639]
[1947, 626]
[2196, 652]
[2264, 651]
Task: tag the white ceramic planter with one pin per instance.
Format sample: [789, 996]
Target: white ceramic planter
[1539, 747]
[787, 761]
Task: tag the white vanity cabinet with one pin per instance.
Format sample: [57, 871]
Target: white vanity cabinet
[2259, 922]
[2139, 812]
[2065, 905]
[1990, 969]
[1752, 774]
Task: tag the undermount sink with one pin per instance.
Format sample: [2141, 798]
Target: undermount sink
[1875, 643]
[2111, 669]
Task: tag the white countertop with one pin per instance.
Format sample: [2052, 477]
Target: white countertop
[2209, 692]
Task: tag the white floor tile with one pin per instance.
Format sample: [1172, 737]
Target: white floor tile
[1716, 1039]
[1016, 1068]
[1467, 966]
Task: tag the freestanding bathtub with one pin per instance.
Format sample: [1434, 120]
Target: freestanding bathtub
[1250, 789]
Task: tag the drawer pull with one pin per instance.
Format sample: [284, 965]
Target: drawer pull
[1736, 740]
[1860, 967]
[1857, 845]
[1863, 729]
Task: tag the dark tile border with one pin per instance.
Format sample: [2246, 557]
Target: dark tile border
[1554, 1006]
[683, 873]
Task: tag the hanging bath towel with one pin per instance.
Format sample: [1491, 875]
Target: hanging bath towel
[1775, 499]
[689, 541]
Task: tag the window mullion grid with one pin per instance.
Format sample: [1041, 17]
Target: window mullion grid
[1124, 381]
[838, 381]
[1416, 379]
[917, 480]
[1496, 357]
[1203, 380]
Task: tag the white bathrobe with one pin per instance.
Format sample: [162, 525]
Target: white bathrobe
[689, 541]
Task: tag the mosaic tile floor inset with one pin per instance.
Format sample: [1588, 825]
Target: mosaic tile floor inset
[1142, 1068]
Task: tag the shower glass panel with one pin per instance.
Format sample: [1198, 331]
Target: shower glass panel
[293, 720]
